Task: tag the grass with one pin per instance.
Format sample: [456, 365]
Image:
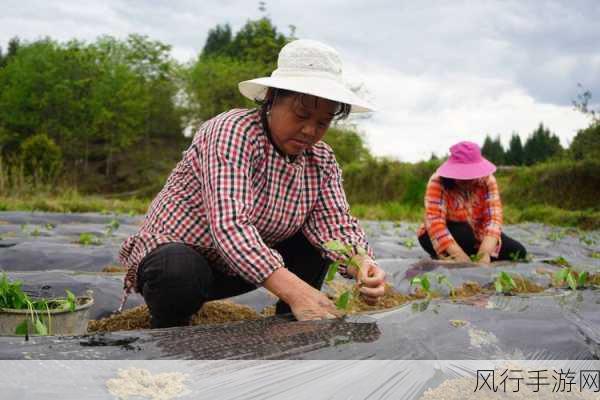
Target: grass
[71, 201]
[395, 211]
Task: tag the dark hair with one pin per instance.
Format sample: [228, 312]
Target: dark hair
[448, 183]
[342, 111]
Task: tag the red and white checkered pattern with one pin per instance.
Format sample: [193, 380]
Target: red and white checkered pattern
[233, 196]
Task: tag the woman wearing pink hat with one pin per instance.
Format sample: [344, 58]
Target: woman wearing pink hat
[254, 201]
[463, 212]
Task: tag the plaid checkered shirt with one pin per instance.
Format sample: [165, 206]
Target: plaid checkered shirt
[233, 196]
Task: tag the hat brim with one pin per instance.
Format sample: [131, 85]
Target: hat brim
[256, 89]
[477, 170]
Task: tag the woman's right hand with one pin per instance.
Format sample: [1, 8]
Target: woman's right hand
[457, 253]
[313, 304]
[306, 302]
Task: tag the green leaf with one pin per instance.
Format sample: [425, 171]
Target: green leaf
[360, 251]
[335, 245]
[581, 279]
[498, 285]
[333, 269]
[425, 283]
[71, 300]
[415, 281]
[342, 301]
[21, 329]
[40, 328]
[571, 281]
[561, 276]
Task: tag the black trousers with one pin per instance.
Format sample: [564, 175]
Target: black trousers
[175, 280]
[465, 238]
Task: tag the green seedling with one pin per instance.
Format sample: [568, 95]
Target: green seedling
[35, 232]
[410, 243]
[49, 226]
[516, 257]
[87, 239]
[504, 283]
[348, 259]
[423, 282]
[573, 279]
[112, 226]
[476, 257]
[556, 236]
[588, 240]
[560, 261]
[595, 254]
[443, 280]
[12, 296]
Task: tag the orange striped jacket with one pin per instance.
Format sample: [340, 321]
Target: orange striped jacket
[481, 208]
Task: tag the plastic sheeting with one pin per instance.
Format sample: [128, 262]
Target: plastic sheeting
[556, 324]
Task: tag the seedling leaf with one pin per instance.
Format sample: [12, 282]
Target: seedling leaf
[333, 269]
[571, 281]
[342, 301]
[21, 329]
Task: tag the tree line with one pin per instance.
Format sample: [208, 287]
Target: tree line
[109, 116]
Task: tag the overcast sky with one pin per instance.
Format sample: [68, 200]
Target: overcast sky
[438, 71]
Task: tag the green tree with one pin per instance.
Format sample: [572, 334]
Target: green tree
[541, 145]
[41, 158]
[218, 41]
[225, 61]
[348, 145]
[514, 154]
[586, 144]
[492, 150]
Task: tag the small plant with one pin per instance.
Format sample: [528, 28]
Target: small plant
[476, 257]
[12, 296]
[408, 242]
[504, 283]
[573, 279]
[516, 257]
[112, 226]
[49, 226]
[35, 232]
[588, 240]
[560, 261]
[443, 280]
[423, 282]
[349, 259]
[595, 254]
[556, 236]
[87, 239]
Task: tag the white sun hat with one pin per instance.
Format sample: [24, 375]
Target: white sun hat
[307, 66]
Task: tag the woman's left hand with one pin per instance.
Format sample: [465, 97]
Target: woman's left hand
[371, 280]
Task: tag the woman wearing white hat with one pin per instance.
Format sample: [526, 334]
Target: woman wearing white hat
[254, 200]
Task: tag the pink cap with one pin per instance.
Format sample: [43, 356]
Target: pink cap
[466, 162]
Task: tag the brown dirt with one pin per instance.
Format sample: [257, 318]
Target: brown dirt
[213, 312]
[114, 268]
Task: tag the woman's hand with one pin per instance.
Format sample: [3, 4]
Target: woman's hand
[457, 254]
[312, 304]
[306, 302]
[370, 278]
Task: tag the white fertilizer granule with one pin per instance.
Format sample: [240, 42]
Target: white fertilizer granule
[141, 383]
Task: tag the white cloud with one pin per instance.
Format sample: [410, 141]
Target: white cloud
[439, 71]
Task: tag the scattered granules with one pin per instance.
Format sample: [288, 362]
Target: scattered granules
[114, 268]
[141, 383]
[468, 289]
[213, 312]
